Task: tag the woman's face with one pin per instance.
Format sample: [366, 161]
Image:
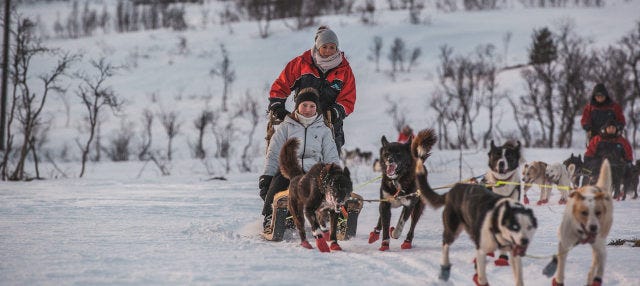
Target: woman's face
[600, 97]
[328, 49]
[307, 108]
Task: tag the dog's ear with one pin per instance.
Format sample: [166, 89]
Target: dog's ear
[346, 172]
[571, 169]
[604, 179]
[518, 145]
[384, 141]
[577, 195]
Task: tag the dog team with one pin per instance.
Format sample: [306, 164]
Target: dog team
[303, 165]
[490, 212]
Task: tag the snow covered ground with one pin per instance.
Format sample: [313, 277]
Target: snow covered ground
[115, 228]
[126, 224]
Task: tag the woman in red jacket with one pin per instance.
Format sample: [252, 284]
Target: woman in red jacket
[600, 110]
[325, 68]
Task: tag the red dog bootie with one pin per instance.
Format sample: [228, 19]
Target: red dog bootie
[542, 202]
[406, 245]
[475, 280]
[384, 246]
[597, 281]
[335, 246]
[555, 283]
[502, 260]
[322, 244]
[374, 236]
[525, 200]
[306, 245]
[562, 201]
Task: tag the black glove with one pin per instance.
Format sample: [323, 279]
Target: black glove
[280, 113]
[586, 127]
[263, 185]
[333, 112]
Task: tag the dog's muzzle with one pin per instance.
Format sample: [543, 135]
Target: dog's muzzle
[520, 249]
[391, 170]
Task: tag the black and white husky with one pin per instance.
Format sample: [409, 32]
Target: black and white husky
[503, 174]
[493, 222]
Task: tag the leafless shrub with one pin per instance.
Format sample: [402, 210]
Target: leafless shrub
[96, 96]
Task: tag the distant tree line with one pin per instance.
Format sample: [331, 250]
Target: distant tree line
[559, 76]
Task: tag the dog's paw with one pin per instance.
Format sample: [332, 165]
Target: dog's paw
[335, 246]
[597, 281]
[384, 246]
[562, 201]
[445, 272]
[475, 280]
[306, 245]
[525, 200]
[555, 283]
[542, 202]
[322, 244]
[502, 260]
[406, 245]
[374, 236]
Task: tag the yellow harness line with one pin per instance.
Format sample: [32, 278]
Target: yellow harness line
[560, 187]
[416, 194]
[367, 182]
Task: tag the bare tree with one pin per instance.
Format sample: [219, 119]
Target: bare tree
[413, 60]
[487, 64]
[201, 124]
[460, 79]
[28, 102]
[263, 12]
[249, 108]
[631, 45]
[119, 147]
[397, 55]
[95, 96]
[227, 73]
[523, 118]
[571, 82]
[543, 75]
[146, 138]
[397, 113]
[367, 12]
[376, 49]
[169, 120]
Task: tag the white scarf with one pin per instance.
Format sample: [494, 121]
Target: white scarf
[305, 121]
[327, 63]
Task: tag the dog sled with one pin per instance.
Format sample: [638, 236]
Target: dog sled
[282, 221]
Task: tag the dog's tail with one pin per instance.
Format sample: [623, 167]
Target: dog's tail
[421, 145]
[427, 194]
[289, 165]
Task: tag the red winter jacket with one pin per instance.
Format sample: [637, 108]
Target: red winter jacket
[337, 86]
[595, 115]
[598, 143]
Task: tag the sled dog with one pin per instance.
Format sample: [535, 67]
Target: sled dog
[587, 219]
[325, 187]
[503, 172]
[398, 187]
[545, 176]
[493, 222]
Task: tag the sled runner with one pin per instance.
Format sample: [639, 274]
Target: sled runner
[281, 220]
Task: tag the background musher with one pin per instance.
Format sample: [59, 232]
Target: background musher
[599, 111]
